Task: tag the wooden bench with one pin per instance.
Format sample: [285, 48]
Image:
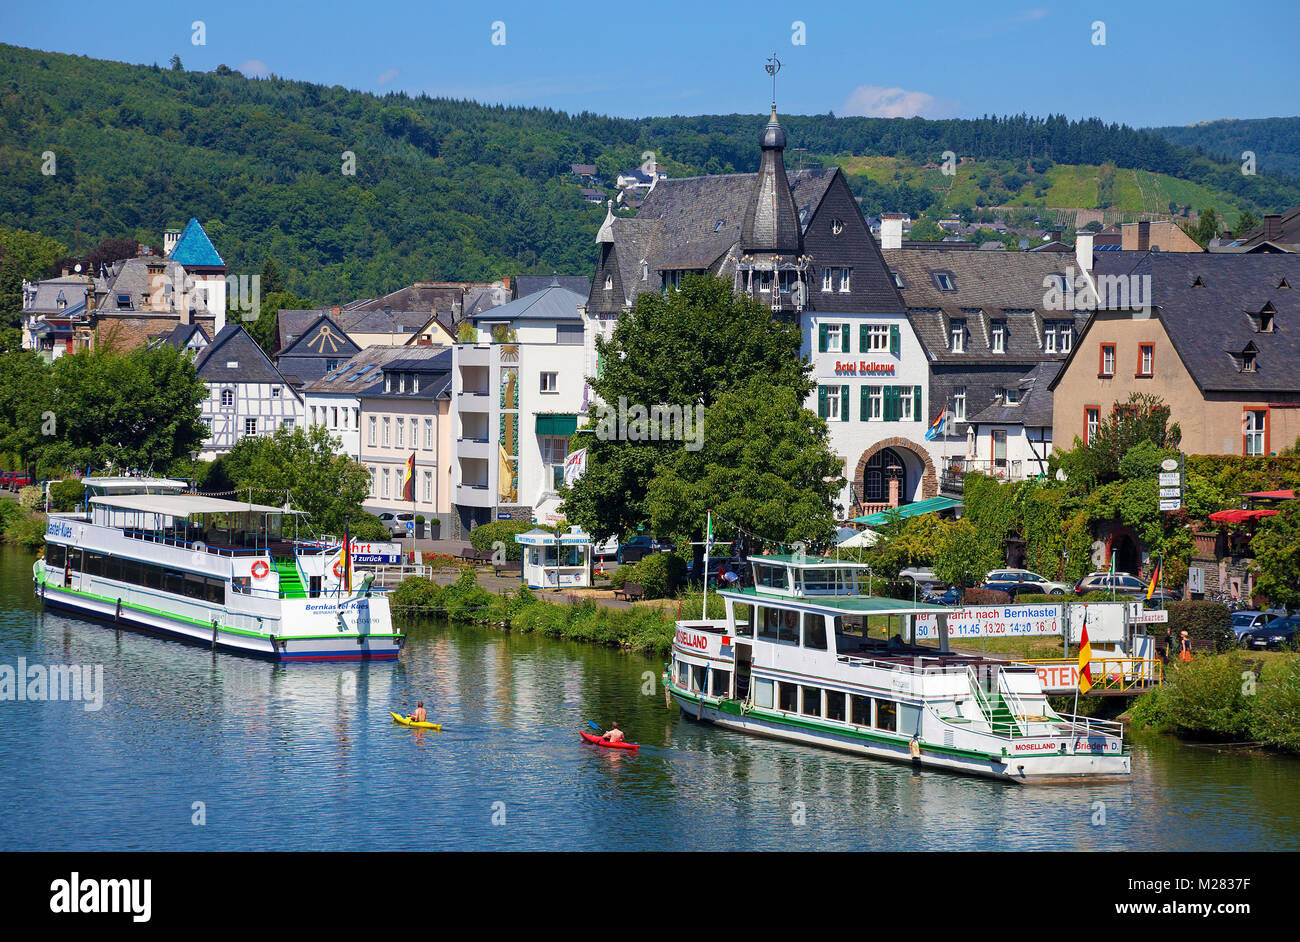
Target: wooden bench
[1198, 646]
[632, 591]
[511, 566]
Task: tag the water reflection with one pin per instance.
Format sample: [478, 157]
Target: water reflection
[305, 756]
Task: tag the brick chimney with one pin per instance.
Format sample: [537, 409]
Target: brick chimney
[1272, 226]
[334, 312]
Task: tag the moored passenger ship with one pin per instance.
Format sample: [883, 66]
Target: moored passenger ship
[793, 660]
[224, 573]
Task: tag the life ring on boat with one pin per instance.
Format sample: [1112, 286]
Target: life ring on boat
[338, 569]
[260, 569]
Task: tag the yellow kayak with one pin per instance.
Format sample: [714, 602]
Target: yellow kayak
[407, 721]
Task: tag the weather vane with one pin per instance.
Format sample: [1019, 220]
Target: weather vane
[773, 66]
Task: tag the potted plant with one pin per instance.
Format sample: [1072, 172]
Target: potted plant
[419, 526]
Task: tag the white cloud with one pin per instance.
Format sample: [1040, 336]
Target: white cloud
[876, 101]
[255, 68]
[387, 77]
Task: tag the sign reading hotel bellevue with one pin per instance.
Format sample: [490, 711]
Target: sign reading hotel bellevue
[863, 368]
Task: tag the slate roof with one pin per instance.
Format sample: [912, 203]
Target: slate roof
[432, 363]
[1210, 323]
[181, 335]
[552, 303]
[692, 223]
[1287, 232]
[322, 338]
[525, 285]
[1035, 407]
[989, 286]
[131, 277]
[46, 300]
[293, 324]
[359, 374]
[233, 344]
[195, 249]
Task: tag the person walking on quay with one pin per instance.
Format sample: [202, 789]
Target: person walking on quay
[1184, 647]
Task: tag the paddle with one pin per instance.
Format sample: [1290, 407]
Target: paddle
[594, 726]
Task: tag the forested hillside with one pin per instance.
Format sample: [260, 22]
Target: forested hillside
[442, 189]
[1275, 142]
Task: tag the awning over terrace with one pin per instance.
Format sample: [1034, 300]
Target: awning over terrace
[928, 506]
[1240, 516]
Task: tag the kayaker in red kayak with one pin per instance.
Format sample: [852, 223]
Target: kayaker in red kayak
[615, 734]
[419, 716]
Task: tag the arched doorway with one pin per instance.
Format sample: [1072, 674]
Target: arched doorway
[885, 479]
[1125, 554]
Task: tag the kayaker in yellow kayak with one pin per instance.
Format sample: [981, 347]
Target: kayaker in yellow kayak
[615, 734]
[419, 716]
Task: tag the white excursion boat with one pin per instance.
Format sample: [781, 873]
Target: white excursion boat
[792, 660]
[143, 554]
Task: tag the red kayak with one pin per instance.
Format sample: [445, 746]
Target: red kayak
[606, 743]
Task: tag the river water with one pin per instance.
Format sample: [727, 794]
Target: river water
[196, 751]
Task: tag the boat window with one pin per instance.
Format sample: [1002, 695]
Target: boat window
[887, 715]
[56, 556]
[861, 711]
[835, 705]
[769, 620]
[743, 618]
[788, 697]
[770, 577]
[789, 631]
[720, 683]
[94, 564]
[153, 577]
[814, 631]
[194, 587]
[850, 633]
[174, 582]
[763, 692]
[697, 678]
[683, 673]
[812, 701]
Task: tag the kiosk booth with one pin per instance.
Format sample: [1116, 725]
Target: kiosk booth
[555, 560]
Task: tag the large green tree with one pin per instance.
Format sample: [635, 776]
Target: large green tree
[764, 468]
[684, 349]
[302, 467]
[1276, 546]
[23, 255]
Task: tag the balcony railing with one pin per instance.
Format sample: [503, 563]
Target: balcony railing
[1003, 469]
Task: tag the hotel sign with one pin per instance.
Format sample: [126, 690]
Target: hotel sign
[863, 368]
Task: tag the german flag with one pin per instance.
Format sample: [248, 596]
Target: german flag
[408, 484]
[1085, 658]
[1155, 580]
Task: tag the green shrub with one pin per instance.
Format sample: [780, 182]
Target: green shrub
[24, 528]
[1149, 711]
[1205, 695]
[1275, 712]
[67, 495]
[1205, 620]
[30, 497]
[1038, 598]
[368, 529]
[620, 576]
[976, 596]
[482, 537]
[660, 574]
[417, 592]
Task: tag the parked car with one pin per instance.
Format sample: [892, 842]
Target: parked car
[1014, 589]
[1245, 623]
[15, 479]
[606, 549]
[1274, 635]
[939, 596]
[921, 575]
[638, 547]
[395, 523]
[1045, 586]
[1124, 585]
[1163, 595]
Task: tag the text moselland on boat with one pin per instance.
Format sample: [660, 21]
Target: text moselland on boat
[792, 661]
[218, 572]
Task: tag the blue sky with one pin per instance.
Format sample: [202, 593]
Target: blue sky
[1163, 61]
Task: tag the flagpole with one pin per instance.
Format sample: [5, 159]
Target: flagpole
[708, 540]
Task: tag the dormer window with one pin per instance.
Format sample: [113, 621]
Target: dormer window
[1284, 283]
[1248, 360]
[609, 282]
[944, 280]
[998, 336]
[1263, 318]
[957, 335]
[1197, 282]
[719, 225]
[899, 281]
[645, 274]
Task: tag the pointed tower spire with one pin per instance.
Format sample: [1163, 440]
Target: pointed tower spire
[771, 221]
[606, 233]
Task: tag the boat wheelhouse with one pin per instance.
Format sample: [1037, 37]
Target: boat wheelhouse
[794, 659]
[225, 573]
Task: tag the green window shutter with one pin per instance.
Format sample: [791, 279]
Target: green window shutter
[821, 401]
[844, 403]
[846, 338]
[891, 403]
[866, 402]
[917, 415]
[600, 364]
[864, 339]
[895, 340]
[822, 332]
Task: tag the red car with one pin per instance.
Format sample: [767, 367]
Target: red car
[15, 479]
